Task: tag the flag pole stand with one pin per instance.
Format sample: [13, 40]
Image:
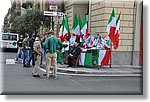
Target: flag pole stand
[110, 54]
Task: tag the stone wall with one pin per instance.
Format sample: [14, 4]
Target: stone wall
[100, 13]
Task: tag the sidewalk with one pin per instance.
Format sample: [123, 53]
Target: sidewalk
[116, 70]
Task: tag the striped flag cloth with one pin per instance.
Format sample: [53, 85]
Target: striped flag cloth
[111, 26]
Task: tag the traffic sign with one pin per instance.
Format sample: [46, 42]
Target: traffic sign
[50, 13]
[53, 7]
[53, 2]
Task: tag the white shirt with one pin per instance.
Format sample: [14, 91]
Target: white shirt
[66, 48]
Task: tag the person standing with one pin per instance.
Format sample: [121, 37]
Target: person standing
[51, 44]
[31, 52]
[19, 44]
[43, 50]
[37, 56]
[26, 50]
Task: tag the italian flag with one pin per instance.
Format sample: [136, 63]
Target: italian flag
[101, 58]
[111, 26]
[84, 27]
[85, 59]
[104, 57]
[105, 41]
[76, 27]
[61, 30]
[87, 42]
[116, 41]
[66, 30]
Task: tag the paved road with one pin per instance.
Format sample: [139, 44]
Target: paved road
[18, 80]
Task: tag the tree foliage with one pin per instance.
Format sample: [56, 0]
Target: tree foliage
[28, 23]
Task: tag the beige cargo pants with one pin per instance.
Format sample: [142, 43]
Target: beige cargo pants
[51, 64]
[37, 65]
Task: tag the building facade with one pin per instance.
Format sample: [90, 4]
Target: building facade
[99, 11]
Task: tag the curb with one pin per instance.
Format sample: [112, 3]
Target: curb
[96, 72]
[71, 72]
[100, 75]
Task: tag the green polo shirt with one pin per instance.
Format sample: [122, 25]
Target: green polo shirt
[52, 43]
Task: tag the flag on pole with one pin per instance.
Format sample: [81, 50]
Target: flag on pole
[84, 27]
[61, 30]
[104, 57]
[66, 30]
[76, 27]
[116, 40]
[80, 24]
[111, 26]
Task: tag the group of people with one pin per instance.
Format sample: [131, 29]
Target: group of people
[44, 50]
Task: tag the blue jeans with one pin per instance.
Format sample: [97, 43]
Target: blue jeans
[19, 53]
[31, 57]
[26, 57]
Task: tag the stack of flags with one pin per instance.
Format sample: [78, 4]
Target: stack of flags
[79, 28]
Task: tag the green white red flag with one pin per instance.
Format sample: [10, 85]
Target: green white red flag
[61, 30]
[66, 30]
[116, 41]
[85, 59]
[102, 58]
[111, 26]
[76, 27]
[84, 27]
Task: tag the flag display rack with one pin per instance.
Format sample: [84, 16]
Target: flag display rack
[99, 56]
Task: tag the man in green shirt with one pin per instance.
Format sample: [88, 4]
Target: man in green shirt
[51, 44]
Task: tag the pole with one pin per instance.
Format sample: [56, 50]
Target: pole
[89, 20]
[134, 23]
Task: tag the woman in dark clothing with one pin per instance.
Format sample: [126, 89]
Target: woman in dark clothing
[74, 54]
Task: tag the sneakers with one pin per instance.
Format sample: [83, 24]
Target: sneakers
[36, 75]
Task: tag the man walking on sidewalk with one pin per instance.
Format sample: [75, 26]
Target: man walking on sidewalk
[51, 44]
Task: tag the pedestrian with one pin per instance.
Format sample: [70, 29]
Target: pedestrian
[51, 44]
[31, 52]
[37, 57]
[43, 50]
[19, 45]
[26, 50]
